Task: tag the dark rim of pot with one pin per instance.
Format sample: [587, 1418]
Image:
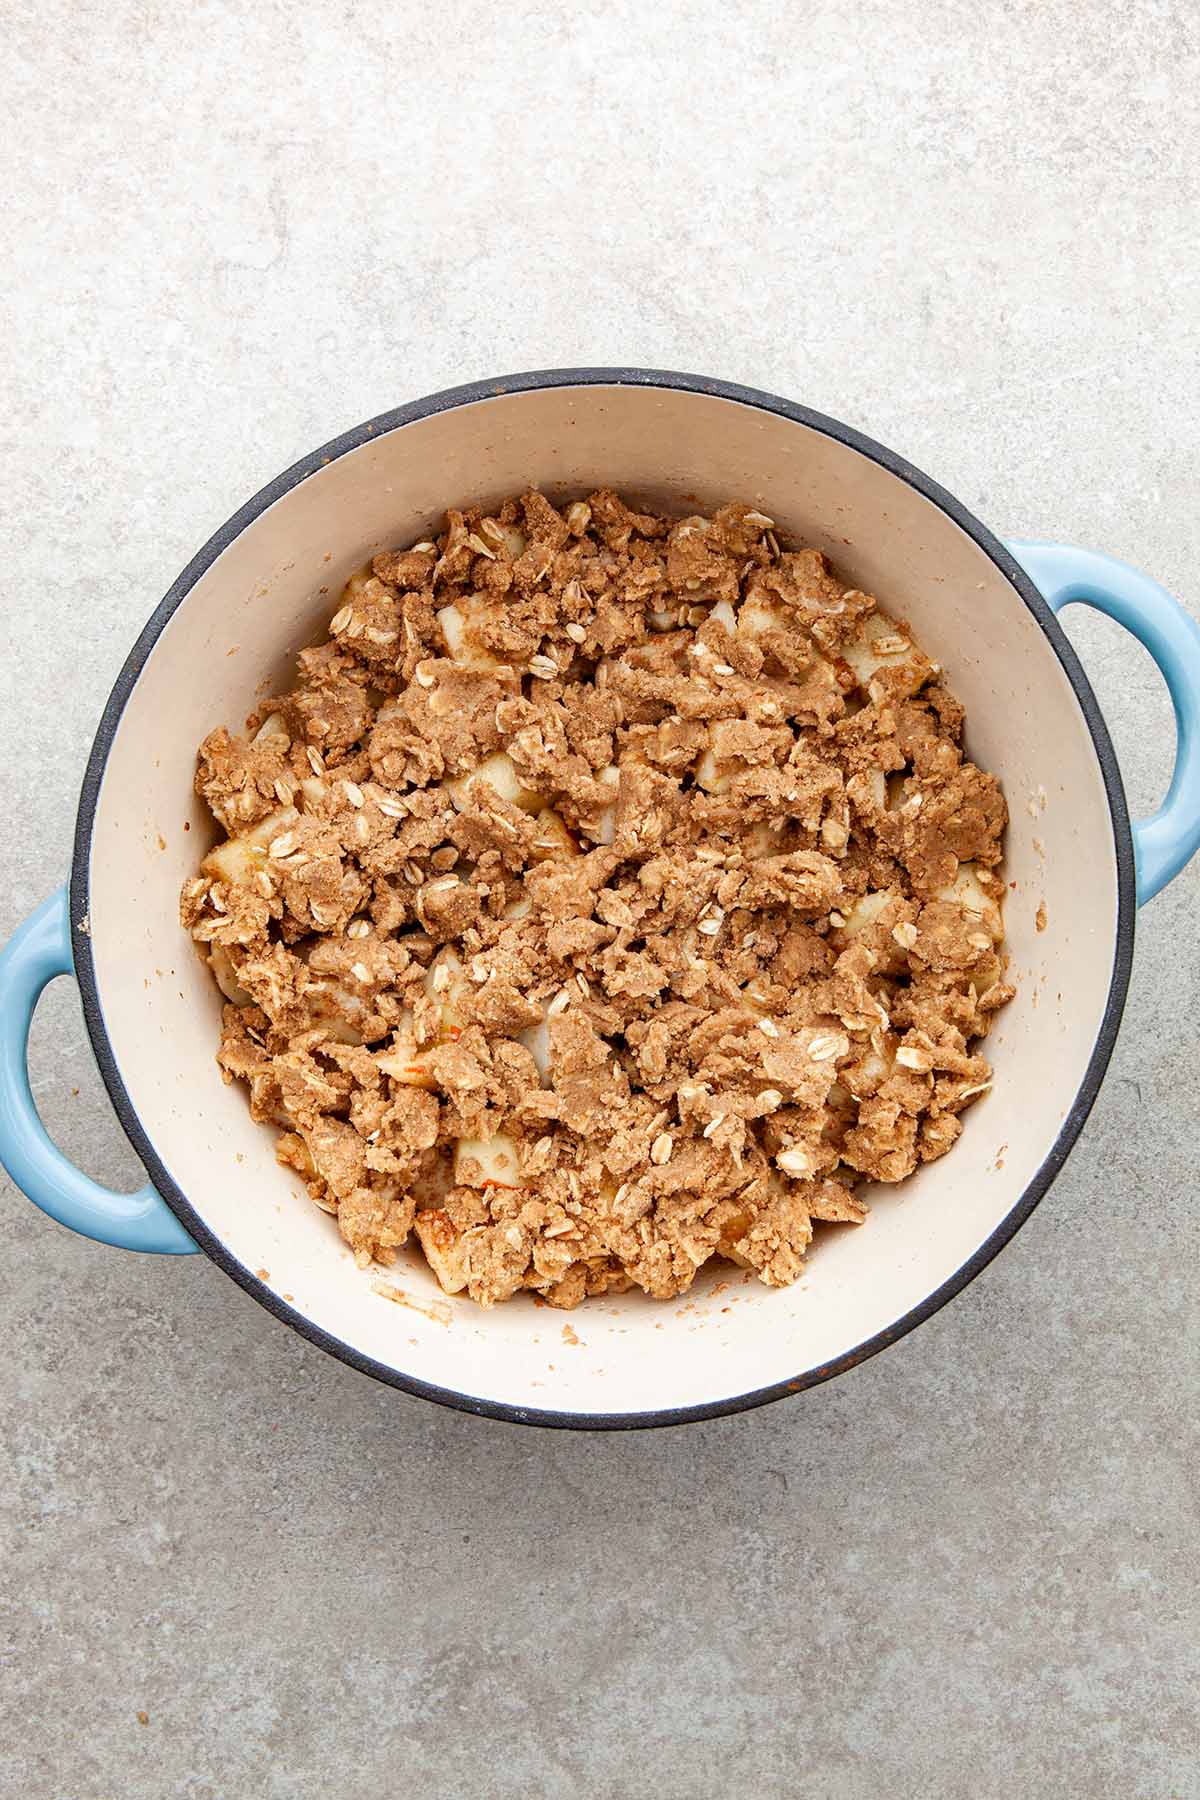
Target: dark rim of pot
[465, 396]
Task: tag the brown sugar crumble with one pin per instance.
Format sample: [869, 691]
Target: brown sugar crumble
[608, 893]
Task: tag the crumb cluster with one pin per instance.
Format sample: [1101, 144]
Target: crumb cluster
[608, 893]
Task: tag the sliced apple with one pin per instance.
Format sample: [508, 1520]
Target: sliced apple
[708, 776]
[407, 1066]
[446, 982]
[272, 727]
[340, 1011]
[536, 1039]
[222, 967]
[463, 648]
[405, 1060]
[292, 1151]
[967, 892]
[606, 827]
[553, 839]
[441, 1241]
[864, 912]
[487, 1162]
[761, 839]
[714, 772]
[758, 617]
[872, 1067]
[239, 859]
[881, 644]
[356, 582]
[336, 1025]
[499, 773]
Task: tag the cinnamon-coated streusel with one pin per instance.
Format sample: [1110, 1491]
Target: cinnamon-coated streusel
[608, 893]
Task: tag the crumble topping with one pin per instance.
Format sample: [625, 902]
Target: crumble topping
[608, 893]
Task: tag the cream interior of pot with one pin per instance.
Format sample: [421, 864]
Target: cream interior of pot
[270, 592]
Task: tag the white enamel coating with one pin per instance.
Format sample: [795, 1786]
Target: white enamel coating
[272, 590]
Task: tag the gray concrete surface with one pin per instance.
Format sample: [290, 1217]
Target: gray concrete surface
[968, 1569]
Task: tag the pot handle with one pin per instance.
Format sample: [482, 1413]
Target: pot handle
[1167, 840]
[39, 950]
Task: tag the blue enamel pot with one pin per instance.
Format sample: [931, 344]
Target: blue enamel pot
[1077, 872]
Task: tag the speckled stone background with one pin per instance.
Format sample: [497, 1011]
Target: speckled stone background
[966, 1569]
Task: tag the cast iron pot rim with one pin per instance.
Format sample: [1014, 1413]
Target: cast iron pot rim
[466, 395]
